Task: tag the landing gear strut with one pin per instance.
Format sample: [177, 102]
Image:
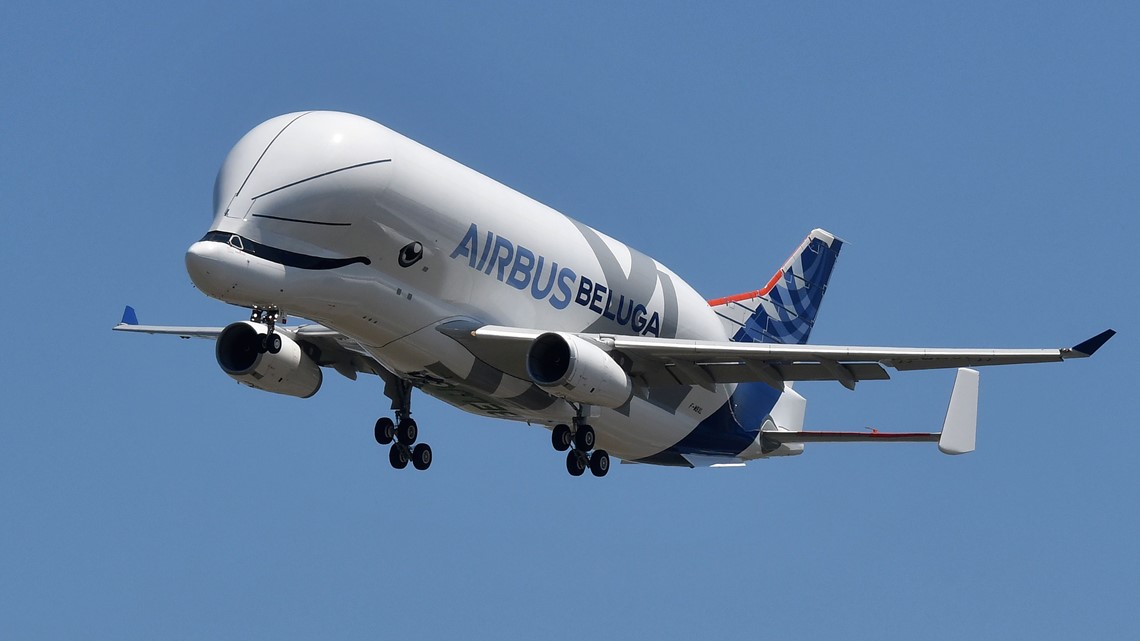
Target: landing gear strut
[582, 437]
[270, 340]
[402, 433]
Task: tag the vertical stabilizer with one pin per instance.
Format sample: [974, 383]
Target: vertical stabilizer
[960, 428]
[784, 310]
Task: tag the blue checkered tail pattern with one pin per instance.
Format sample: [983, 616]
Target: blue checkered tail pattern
[784, 310]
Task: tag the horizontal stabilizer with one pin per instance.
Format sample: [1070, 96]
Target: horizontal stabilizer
[957, 435]
[869, 436]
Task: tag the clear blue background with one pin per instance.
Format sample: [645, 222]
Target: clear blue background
[981, 159]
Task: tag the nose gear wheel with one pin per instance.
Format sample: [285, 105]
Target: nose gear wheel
[269, 316]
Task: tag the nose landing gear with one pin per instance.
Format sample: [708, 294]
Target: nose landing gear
[270, 316]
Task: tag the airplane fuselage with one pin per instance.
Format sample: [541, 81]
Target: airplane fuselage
[335, 218]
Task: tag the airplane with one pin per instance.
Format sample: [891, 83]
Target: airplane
[417, 269]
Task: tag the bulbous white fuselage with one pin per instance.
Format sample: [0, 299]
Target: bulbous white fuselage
[338, 219]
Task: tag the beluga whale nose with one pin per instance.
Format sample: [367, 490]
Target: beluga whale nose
[318, 167]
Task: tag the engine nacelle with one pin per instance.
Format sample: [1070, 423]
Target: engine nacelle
[290, 371]
[577, 370]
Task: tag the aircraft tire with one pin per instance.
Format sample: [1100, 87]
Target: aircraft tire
[561, 437]
[407, 431]
[576, 462]
[385, 430]
[421, 456]
[398, 456]
[273, 343]
[584, 438]
[599, 463]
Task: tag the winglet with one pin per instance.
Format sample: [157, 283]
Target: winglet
[961, 425]
[129, 317]
[1089, 347]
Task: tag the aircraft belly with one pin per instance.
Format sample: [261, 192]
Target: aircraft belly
[646, 431]
[444, 369]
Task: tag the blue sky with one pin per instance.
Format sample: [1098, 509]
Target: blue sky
[981, 160]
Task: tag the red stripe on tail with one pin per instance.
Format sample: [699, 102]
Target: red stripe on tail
[746, 295]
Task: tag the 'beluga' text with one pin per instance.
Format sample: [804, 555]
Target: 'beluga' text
[559, 286]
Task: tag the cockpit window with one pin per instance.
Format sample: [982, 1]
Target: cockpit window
[281, 256]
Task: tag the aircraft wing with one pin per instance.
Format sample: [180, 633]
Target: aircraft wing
[334, 349]
[130, 323]
[663, 361]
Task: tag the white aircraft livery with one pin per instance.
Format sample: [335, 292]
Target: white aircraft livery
[432, 276]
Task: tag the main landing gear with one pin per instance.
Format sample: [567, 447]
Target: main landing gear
[579, 440]
[270, 340]
[402, 434]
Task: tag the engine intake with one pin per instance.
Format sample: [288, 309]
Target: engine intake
[577, 370]
[290, 371]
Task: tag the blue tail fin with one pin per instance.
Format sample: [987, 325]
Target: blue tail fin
[784, 310]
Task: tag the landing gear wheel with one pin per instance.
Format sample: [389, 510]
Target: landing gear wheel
[261, 347]
[599, 463]
[273, 343]
[385, 430]
[407, 431]
[584, 438]
[421, 456]
[576, 462]
[398, 456]
[561, 437]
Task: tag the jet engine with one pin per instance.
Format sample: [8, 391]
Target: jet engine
[290, 371]
[575, 369]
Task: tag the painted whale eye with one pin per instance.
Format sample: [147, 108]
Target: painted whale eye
[410, 254]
